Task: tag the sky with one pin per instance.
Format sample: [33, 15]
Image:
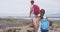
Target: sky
[21, 7]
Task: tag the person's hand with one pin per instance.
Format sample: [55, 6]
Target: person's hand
[30, 16]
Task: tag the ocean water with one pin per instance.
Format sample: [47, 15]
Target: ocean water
[54, 18]
[27, 17]
[50, 18]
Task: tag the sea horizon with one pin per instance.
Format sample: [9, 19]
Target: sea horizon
[27, 17]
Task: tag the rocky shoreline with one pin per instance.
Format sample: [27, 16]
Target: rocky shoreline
[21, 25]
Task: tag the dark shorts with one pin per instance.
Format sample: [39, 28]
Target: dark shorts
[44, 30]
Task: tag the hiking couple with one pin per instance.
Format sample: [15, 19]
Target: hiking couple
[41, 24]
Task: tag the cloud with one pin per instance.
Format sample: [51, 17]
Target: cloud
[21, 7]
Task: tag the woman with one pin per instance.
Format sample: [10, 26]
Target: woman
[40, 16]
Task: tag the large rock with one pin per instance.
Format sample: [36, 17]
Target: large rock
[19, 29]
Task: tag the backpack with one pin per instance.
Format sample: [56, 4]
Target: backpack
[36, 9]
[44, 24]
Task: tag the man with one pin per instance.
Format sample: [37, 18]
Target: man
[34, 11]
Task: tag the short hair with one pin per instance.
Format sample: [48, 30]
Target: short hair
[42, 12]
[32, 2]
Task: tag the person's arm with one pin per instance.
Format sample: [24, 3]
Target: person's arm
[38, 22]
[30, 12]
[39, 19]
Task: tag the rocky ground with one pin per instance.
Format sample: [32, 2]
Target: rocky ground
[22, 25]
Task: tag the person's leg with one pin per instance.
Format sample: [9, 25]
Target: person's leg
[35, 27]
[35, 24]
[44, 30]
[32, 23]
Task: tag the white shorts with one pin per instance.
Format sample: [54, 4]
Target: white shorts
[34, 18]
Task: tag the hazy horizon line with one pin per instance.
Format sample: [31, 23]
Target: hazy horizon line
[25, 17]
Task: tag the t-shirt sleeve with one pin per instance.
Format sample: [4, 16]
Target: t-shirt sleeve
[31, 7]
